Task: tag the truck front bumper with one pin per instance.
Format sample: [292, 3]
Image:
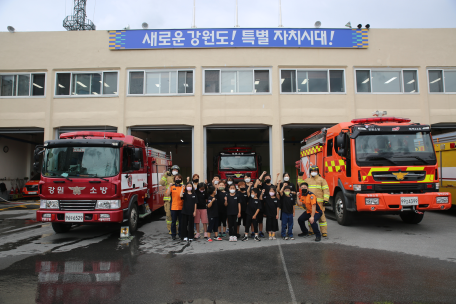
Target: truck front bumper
[99, 216]
[392, 202]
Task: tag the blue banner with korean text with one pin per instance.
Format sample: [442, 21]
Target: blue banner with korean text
[238, 38]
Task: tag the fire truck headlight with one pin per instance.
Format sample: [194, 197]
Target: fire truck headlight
[437, 186]
[357, 187]
[49, 204]
[108, 204]
[372, 201]
[442, 200]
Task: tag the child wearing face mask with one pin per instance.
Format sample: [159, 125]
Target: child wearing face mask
[212, 213]
[201, 210]
[251, 214]
[271, 203]
[242, 192]
[233, 211]
[195, 180]
[221, 194]
[188, 211]
[174, 192]
[286, 178]
[215, 181]
[287, 205]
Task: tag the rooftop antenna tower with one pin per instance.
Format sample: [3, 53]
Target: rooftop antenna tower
[194, 8]
[78, 21]
[280, 13]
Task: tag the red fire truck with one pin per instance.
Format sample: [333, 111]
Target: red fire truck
[236, 162]
[98, 177]
[379, 164]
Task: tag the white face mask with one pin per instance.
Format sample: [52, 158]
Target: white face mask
[202, 190]
[189, 188]
[253, 196]
[286, 178]
[247, 180]
[313, 173]
[271, 193]
[230, 182]
[174, 172]
[216, 182]
[232, 190]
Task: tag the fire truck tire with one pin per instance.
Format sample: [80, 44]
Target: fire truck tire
[133, 218]
[343, 216]
[411, 217]
[61, 228]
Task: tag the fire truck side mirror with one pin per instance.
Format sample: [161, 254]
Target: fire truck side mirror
[340, 144]
[38, 150]
[36, 166]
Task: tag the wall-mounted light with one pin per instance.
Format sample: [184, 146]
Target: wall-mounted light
[359, 26]
[367, 26]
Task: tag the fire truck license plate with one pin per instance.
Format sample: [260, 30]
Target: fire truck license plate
[74, 217]
[32, 192]
[409, 201]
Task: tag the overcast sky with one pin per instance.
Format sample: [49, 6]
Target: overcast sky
[47, 15]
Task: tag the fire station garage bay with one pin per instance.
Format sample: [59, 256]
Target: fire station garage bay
[196, 93]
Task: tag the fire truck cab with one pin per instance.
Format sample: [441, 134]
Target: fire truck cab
[98, 177]
[236, 162]
[379, 164]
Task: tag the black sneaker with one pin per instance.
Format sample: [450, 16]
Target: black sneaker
[174, 238]
[303, 234]
[318, 239]
[245, 238]
[257, 238]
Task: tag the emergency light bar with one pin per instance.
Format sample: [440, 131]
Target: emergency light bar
[237, 149]
[380, 119]
[80, 134]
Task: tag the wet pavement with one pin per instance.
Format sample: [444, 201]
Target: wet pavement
[380, 259]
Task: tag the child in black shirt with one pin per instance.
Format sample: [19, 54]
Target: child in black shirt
[221, 193]
[233, 211]
[188, 212]
[244, 199]
[287, 205]
[253, 207]
[271, 203]
[212, 214]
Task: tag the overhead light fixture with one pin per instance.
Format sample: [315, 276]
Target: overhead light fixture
[257, 82]
[349, 25]
[367, 26]
[106, 85]
[359, 26]
[95, 93]
[413, 91]
[388, 81]
[317, 24]
[182, 140]
[11, 29]
[411, 81]
[81, 84]
[157, 85]
[38, 86]
[282, 80]
[304, 81]
[61, 86]
[145, 25]
[366, 81]
[438, 79]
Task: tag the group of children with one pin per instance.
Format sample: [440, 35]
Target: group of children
[222, 206]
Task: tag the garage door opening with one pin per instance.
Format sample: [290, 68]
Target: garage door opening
[17, 146]
[292, 138]
[175, 140]
[253, 152]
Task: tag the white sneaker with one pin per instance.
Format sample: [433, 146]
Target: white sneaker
[274, 238]
[185, 239]
[270, 237]
[231, 238]
[235, 238]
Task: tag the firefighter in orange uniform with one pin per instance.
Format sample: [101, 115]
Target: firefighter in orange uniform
[319, 187]
[313, 212]
[174, 191]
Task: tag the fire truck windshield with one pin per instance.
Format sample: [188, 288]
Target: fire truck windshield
[394, 149]
[81, 162]
[237, 162]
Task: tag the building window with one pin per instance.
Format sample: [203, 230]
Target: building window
[312, 81]
[386, 81]
[161, 82]
[442, 81]
[22, 85]
[83, 84]
[236, 81]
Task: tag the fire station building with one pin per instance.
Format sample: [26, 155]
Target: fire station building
[194, 92]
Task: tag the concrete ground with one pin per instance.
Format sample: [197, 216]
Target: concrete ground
[379, 259]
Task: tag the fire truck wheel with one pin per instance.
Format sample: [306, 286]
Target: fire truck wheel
[61, 228]
[133, 218]
[411, 217]
[343, 216]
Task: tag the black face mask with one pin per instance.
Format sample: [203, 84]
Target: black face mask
[242, 189]
[196, 181]
[267, 181]
[304, 191]
[178, 181]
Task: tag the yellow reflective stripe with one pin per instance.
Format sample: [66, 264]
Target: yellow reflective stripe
[325, 187]
[169, 222]
[314, 186]
[320, 200]
[166, 199]
[326, 196]
[324, 224]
